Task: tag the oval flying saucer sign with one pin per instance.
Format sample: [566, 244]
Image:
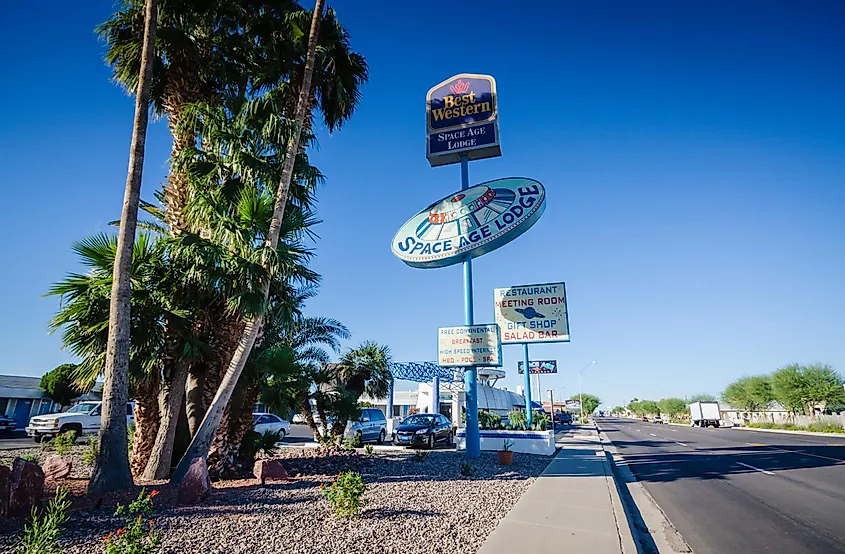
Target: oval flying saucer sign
[471, 222]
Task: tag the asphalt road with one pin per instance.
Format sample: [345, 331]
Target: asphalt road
[732, 491]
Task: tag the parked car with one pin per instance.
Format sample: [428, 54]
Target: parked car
[7, 424]
[371, 426]
[645, 418]
[657, 419]
[563, 418]
[263, 422]
[84, 418]
[424, 430]
[299, 419]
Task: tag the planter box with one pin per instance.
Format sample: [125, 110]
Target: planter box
[528, 442]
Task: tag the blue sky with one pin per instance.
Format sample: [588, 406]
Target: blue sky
[693, 155]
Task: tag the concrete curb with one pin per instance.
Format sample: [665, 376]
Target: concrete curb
[788, 432]
[651, 528]
[626, 537]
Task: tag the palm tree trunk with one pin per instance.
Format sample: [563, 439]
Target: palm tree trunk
[146, 422]
[202, 441]
[194, 404]
[111, 469]
[171, 397]
[236, 422]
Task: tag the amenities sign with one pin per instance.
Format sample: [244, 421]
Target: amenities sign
[544, 366]
[469, 345]
[532, 313]
[462, 119]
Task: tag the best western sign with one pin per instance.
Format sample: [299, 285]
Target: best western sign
[462, 119]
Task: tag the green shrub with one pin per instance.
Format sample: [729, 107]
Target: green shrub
[817, 426]
[487, 420]
[369, 450]
[346, 494]
[352, 442]
[89, 455]
[541, 421]
[826, 427]
[467, 469]
[29, 458]
[42, 535]
[254, 442]
[517, 419]
[131, 436]
[64, 442]
[136, 536]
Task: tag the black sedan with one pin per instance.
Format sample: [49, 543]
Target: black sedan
[7, 424]
[423, 430]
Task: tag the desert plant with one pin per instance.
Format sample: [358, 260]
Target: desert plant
[507, 445]
[137, 535]
[468, 470]
[541, 421]
[346, 493]
[350, 443]
[487, 420]
[369, 450]
[44, 444]
[517, 419]
[420, 456]
[254, 443]
[29, 458]
[89, 455]
[64, 442]
[131, 436]
[42, 535]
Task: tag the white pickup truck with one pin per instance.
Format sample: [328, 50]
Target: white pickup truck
[705, 414]
[84, 418]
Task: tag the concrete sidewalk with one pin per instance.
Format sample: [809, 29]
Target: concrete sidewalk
[573, 506]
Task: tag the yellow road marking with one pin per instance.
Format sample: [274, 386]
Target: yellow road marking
[756, 444]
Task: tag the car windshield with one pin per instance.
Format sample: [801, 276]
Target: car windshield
[82, 408]
[419, 420]
[255, 418]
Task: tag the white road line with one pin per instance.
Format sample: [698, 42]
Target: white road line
[652, 434]
[756, 469]
[682, 444]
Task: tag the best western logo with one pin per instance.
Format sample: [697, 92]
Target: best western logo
[464, 101]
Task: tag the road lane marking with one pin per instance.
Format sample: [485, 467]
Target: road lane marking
[756, 469]
[682, 444]
[756, 444]
[801, 452]
[652, 434]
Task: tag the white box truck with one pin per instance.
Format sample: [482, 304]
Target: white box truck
[704, 414]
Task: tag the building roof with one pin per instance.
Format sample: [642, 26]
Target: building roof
[14, 386]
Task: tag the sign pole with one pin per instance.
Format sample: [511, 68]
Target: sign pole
[528, 413]
[470, 375]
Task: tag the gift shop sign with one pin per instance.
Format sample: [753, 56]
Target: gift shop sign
[462, 120]
[469, 346]
[470, 223]
[532, 313]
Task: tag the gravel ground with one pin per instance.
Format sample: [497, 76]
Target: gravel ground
[412, 506]
[78, 470]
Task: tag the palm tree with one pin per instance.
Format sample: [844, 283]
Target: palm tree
[365, 370]
[253, 323]
[111, 469]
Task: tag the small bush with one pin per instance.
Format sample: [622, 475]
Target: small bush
[487, 420]
[29, 458]
[131, 436]
[826, 427]
[89, 455]
[817, 426]
[352, 442]
[541, 421]
[254, 443]
[468, 470]
[64, 442]
[137, 535]
[44, 444]
[346, 494]
[42, 535]
[518, 419]
[369, 450]
[420, 456]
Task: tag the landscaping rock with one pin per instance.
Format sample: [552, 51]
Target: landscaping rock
[5, 475]
[56, 467]
[25, 487]
[269, 469]
[196, 486]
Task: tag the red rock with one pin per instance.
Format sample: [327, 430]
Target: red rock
[269, 469]
[5, 475]
[56, 467]
[196, 486]
[26, 486]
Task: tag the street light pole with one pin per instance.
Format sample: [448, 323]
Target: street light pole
[580, 396]
[552, 409]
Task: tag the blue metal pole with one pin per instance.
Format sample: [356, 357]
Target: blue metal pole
[470, 374]
[435, 395]
[528, 410]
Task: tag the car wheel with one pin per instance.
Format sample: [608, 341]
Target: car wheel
[77, 429]
[430, 442]
[282, 435]
[381, 436]
[449, 439]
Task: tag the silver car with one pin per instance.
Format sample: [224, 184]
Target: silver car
[372, 426]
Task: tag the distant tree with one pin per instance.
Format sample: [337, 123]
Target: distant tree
[59, 385]
[649, 407]
[752, 393]
[590, 402]
[701, 397]
[788, 387]
[672, 407]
